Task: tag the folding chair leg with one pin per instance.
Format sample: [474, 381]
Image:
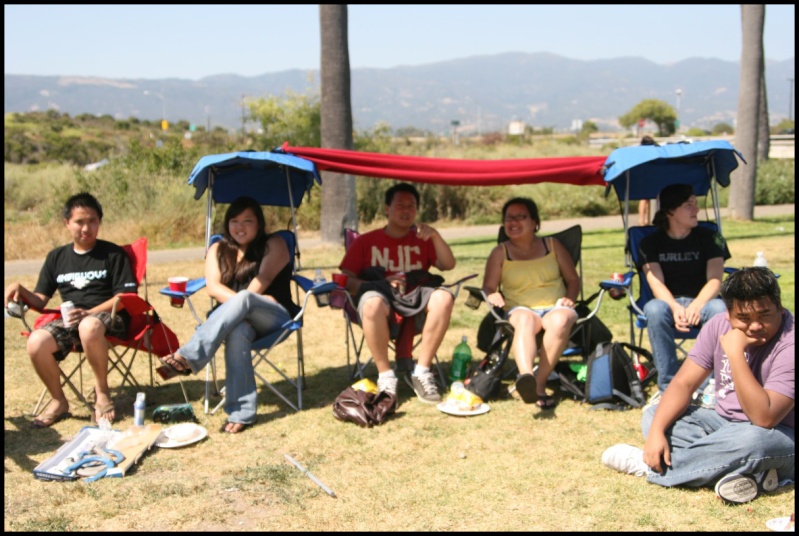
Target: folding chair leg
[37, 407]
[65, 382]
[210, 379]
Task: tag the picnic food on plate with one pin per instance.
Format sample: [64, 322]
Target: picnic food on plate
[462, 398]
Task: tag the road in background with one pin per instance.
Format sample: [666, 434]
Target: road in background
[28, 267]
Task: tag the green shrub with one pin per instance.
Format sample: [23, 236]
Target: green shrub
[775, 182]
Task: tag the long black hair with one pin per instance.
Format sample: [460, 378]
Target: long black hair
[226, 254]
[669, 199]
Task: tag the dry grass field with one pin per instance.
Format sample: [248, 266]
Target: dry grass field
[515, 468]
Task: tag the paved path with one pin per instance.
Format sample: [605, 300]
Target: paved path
[28, 267]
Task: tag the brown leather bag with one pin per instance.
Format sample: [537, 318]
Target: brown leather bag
[363, 408]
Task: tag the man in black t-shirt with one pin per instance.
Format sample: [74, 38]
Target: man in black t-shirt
[89, 273]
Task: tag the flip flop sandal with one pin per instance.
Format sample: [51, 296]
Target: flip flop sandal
[243, 425]
[105, 465]
[167, 371]
[103, 410]
[546, 402]
[91, 468]
[46, 420]
[525, 386]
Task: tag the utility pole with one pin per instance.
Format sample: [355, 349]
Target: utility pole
[790, 100]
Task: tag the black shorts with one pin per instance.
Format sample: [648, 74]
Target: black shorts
[68, 339]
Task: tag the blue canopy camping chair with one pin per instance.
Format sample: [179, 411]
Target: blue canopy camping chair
[272, 179]
[641, 172]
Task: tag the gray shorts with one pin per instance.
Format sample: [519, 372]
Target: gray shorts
[393, 326]
[68, 339]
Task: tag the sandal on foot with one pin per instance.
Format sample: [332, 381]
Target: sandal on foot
[103, 410]
[546, 402]
[243, 426]
[172, 367]
[525, 386]
[46, 420]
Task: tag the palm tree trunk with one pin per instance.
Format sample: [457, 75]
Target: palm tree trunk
[339, 209]
[763, 129]
[742, 189]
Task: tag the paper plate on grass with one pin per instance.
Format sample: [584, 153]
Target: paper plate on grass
[451, 409]
[181, 435]
[781, 524]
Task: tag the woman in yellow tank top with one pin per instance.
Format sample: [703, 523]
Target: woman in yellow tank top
[534, 280]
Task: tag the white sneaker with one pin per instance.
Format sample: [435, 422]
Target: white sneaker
[768, 480]
[388, 385]
[625, 459]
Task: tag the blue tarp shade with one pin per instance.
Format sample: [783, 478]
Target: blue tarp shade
[260, 175]
[651, 168]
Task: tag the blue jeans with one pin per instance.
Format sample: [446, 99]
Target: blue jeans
[705, 446]
[662, 334]
[238, 322]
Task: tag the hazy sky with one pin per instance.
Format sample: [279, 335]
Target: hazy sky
[192, 42]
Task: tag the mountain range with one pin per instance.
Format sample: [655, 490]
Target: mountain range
[481, 93]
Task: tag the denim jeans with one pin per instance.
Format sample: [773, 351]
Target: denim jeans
[705, 446]
[238, 322]
[662, 334]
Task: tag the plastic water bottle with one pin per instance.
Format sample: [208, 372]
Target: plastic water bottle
[321, 299]
[138, 410]
[709, 394]
[760, 260]
[461, 359]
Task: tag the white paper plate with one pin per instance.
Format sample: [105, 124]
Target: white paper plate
[183, 434]
[780, 524]
[453, 410]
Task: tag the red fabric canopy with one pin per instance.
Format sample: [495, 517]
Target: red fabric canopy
[577, 170]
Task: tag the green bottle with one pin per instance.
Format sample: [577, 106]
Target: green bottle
[461, 359]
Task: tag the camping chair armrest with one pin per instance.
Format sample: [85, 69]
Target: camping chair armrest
[312, 289]
[624, 284]
[304, 283]
[309, 286]
[457, 284]
[193, 286]
[132, 303]
[19, 309]
[475, 298]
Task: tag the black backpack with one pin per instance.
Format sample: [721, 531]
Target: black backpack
[611, 381]
[485, 377]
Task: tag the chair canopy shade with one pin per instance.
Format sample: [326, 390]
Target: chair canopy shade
[650, 168]
[576, 170]
[272, 179]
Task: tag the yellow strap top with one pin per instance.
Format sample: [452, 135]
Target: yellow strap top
[535, 283]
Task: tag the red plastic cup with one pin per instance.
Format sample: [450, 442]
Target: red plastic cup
[338, 298]
[340, 280]
[177, 284]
